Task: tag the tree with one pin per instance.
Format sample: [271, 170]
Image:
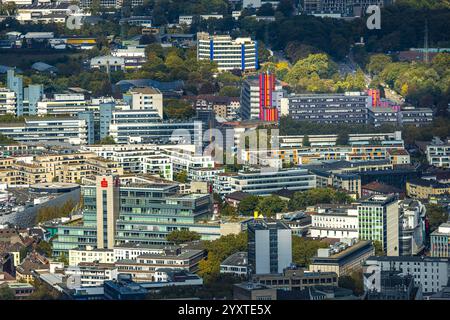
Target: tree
[228, 210]
[182, 236]
[178, 109]
[268, 206]
[218, 250]
[342, 139]
[306, 142]
[353, 281]
[43, 292]
[247, 206]
[45, 248]
[303, 199]
[107, 140]
[378, 248]
[181, 176]
[266, 10]
[377, 63]
[436, 216]
[304, 249]
[6, 293]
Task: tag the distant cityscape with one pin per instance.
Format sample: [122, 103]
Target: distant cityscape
[227, 150]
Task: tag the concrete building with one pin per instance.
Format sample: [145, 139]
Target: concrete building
[342, 258]
[340, 222]
[378, 219]
[7, 101]
[440, 241]
[412, 227]
[260, 182]
[235, 264]
[90, 255]
[146, 98]
[430, 273]
[424, 189]
[269, 246]
[228, 53]
[438, 153]
[416, 117]
[54, 129]
[108, 63]
[349, 107]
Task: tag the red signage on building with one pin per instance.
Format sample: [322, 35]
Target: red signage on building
[104, 183]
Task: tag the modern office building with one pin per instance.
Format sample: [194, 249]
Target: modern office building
[261, 98]
[430, 273]
[143, 126]
[349, 107]
[339, 222]
[269, 246]
[262, 182]
[228, 53]
[130, 209]
[342, 258]
[51, 129]
[440, 241]
[235, 264]
[412, 227]
[378, 219]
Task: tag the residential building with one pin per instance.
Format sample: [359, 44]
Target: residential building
[416, 117]
[424, 189]
[228, 53]
[269, 246]
[146, 98]
[90, 255]
[108, 63]
[378, 220]
[438, 153]
[7, 101]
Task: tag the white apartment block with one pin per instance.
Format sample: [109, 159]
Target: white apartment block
[108, 63]
[438, 153]
[7, 101]
[187, 19]
[92, 274]
[68, 130]
[147, 99]
[431, 273]
[228, 53]
[339, 223]
[77, 256]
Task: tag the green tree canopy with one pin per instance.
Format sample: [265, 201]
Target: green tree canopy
[182, 236]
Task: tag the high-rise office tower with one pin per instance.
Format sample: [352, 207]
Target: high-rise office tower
[269, 246]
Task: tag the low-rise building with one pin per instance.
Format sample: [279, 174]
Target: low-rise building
[340, 222]
[440, 241]
[77, 256]
[341, 258]
[235, 264]
[431, 273]
[424, 189]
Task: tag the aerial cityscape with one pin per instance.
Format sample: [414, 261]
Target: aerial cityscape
[236, 150]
